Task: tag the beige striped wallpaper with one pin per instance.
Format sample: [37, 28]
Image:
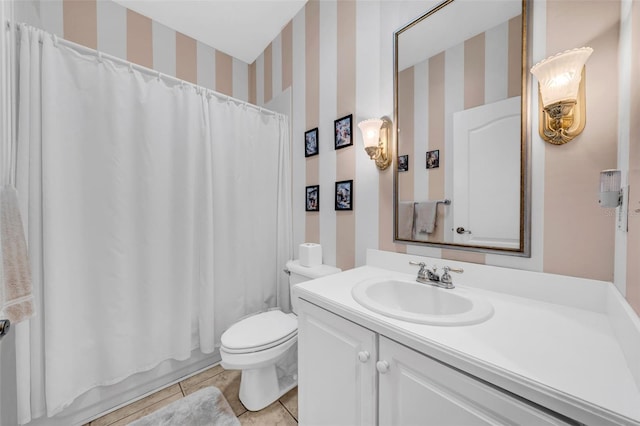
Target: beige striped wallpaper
[577, 235]
[113, 29]
[335, 57]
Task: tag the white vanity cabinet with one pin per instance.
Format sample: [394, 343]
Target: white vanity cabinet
[350, 375]
[336, 369]
[415, 389]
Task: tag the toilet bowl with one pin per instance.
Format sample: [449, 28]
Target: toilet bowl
[264, 346]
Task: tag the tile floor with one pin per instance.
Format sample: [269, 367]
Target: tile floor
[283, 412]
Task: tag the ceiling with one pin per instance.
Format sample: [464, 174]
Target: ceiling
[240, 28]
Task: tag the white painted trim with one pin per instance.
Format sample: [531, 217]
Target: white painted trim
[625, 56]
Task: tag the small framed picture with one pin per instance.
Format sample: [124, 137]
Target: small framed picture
[433, 159]
[311, 142]
[403, 163]
[343, 131]
[313, 198]
[344, 195]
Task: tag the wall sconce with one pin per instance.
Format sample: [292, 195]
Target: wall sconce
[562, 95]
[375, 133]
[610, 189]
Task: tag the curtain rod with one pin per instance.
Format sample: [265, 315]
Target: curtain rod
[101, 56]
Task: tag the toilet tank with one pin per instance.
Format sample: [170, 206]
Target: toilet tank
[299, 274]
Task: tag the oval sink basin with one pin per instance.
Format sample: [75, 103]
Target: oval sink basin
[421, 303]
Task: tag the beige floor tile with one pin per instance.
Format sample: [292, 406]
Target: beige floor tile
[228, 381]
[148, 401]
[275, 414]
[201, 377]
[147, 410]
[290, 402]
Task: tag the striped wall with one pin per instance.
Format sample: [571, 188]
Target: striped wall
[113, 29]
[571, 234]
[335, 58]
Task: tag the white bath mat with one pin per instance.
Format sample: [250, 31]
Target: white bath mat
[205, 407]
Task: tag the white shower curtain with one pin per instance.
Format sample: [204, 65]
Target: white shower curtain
[251, 180]
[151, 209]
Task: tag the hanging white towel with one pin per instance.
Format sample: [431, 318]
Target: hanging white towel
[405, 220]
[16, 297]
[425, 218]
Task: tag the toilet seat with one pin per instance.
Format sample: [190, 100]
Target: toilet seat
[259, 332]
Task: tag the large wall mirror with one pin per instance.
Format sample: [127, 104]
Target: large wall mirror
[461, 172]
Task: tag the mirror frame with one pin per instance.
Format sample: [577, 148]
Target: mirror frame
[525, 147]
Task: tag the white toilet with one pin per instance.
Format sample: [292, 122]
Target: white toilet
[264, 346]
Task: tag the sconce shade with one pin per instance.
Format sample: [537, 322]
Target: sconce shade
[559, 75]
[375, 136]
[561, 88]
[370, 131]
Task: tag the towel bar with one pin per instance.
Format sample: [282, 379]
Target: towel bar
[446, 202]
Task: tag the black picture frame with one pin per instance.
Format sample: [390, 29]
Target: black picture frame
[403, 163]
[311, 142]
[433, 159]
[312, 198]
[344, 195]
[343, 132]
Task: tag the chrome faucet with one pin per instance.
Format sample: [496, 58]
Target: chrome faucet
[431, 277]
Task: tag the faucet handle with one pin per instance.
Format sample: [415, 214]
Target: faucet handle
[450, 269]
[422, 265]
[422, 273]
[446, 277]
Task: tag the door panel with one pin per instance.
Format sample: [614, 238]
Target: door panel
[337, 382]
[486, 174]
[417, 390]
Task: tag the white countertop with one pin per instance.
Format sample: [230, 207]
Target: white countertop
[566, 358]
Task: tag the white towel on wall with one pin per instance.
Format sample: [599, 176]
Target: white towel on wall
[16, 298]
[405, 220]
[425, 219]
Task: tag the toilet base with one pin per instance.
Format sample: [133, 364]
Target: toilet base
[260, 387]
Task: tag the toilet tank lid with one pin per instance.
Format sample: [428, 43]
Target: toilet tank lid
[311, 272]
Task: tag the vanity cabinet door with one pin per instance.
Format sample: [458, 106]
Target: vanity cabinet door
[336, 369]
[418, 390]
